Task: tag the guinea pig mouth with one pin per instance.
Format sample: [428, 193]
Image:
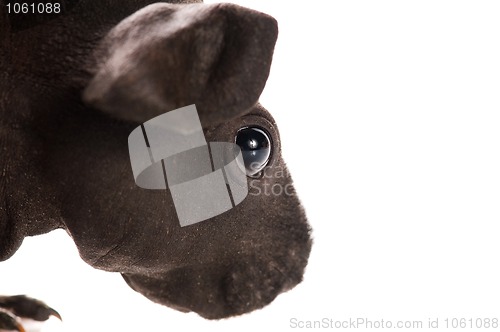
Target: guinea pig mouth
[232, 271]
[215, 291]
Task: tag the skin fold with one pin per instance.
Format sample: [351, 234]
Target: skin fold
[72, 88]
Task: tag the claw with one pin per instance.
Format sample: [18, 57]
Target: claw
[9, 322]
[26, 307]
[54, 313]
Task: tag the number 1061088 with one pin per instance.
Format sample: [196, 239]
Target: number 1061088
[33, 8]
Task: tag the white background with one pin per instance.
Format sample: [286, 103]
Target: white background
[389, 113]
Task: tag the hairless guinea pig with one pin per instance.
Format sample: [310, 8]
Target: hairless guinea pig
[76, 83]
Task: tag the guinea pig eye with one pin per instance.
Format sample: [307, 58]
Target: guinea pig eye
[255, 146]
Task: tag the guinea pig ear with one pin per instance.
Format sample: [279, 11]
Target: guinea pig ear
[167, 56]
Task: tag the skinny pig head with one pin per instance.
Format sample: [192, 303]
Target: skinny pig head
[72, 88]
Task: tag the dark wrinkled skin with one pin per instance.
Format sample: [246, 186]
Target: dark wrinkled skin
[64, 163]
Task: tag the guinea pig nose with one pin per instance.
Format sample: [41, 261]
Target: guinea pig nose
[255, 146]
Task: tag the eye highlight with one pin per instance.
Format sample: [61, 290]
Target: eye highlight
[255, 146]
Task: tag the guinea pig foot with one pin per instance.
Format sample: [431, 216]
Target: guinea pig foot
[13, 309]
